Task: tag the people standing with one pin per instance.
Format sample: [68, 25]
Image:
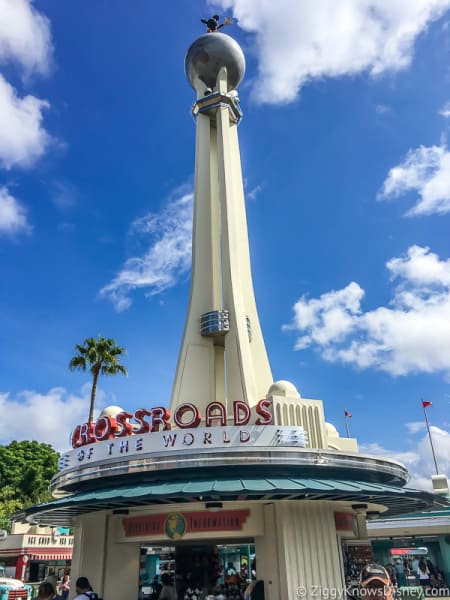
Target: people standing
[258, 590]
[52, 580]
[255, 590]
[65, 586]
[423, 573]
[231, 575]
[84, 589]
[168, 591]
[46, 591]
[400, 572]
[433, 574]
[156, 587]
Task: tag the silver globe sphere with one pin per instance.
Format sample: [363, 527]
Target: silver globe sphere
[208, 54]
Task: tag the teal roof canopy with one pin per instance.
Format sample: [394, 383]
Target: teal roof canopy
[397, 500]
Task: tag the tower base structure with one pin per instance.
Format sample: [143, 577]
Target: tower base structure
[291, 489]
[290, 409]
[298, 550]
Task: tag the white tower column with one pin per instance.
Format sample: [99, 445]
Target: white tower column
[223, 355]
[198, 376]
[248, 372]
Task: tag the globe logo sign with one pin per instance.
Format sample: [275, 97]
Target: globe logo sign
[175, 526]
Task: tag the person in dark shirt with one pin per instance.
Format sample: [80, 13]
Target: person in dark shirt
[156, 586]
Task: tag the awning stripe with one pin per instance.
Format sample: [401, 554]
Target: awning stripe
[50, 556]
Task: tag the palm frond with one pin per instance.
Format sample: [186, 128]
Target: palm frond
[77, 362]
[113, 370]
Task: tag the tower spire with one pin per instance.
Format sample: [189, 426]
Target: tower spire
[223, 356]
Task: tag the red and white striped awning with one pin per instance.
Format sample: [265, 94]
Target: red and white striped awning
[50, 555]
[38, 553]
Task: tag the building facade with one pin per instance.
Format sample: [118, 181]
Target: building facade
[31, 553]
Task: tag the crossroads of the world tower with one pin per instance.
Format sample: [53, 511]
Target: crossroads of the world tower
[237, 459]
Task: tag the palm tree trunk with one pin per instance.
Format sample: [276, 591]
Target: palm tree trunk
[93, 391]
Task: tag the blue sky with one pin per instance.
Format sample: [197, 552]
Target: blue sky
[347, 176]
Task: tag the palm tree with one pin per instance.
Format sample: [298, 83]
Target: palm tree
[101, 356]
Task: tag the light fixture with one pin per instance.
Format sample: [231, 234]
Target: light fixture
[213, 506]
[359, 507]
[372, 514]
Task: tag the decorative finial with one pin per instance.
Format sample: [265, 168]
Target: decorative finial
[208, 54]
[212, 24]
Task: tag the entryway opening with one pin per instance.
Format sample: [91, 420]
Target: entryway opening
[198, 569]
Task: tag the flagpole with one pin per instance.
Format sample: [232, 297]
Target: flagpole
[346, 426]
[431, 439]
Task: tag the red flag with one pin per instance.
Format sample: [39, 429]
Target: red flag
[347, 414]
[425, 403]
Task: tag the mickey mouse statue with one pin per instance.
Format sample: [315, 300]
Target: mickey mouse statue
[212, 24]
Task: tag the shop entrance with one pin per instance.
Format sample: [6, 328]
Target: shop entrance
[197, 569]
[403, 555]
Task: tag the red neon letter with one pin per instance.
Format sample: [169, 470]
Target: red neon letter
[86, 434]
[139, 418]
[160, 416]
[75, 439]
[262, 410]
[123, 427]
[241, 413]
[181, 411]
[215, 411]
[105, 428]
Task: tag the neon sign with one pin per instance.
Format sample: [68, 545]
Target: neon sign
[185, 416]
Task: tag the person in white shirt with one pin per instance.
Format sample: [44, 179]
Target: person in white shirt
[424, 573]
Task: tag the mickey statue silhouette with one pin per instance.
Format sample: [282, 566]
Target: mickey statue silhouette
[212, 24]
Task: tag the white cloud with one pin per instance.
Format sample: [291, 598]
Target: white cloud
[254, 192]
[445, 110]
[167, 258]
[47, 418]
[425, 170]
[415, 426]
[411, 335]
[13, 217]
[419, 459]
[330, 318]
[24, 36]
[297, 42]
[25, 39]
[22, 138]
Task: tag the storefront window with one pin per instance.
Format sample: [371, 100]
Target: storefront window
[197, 570]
